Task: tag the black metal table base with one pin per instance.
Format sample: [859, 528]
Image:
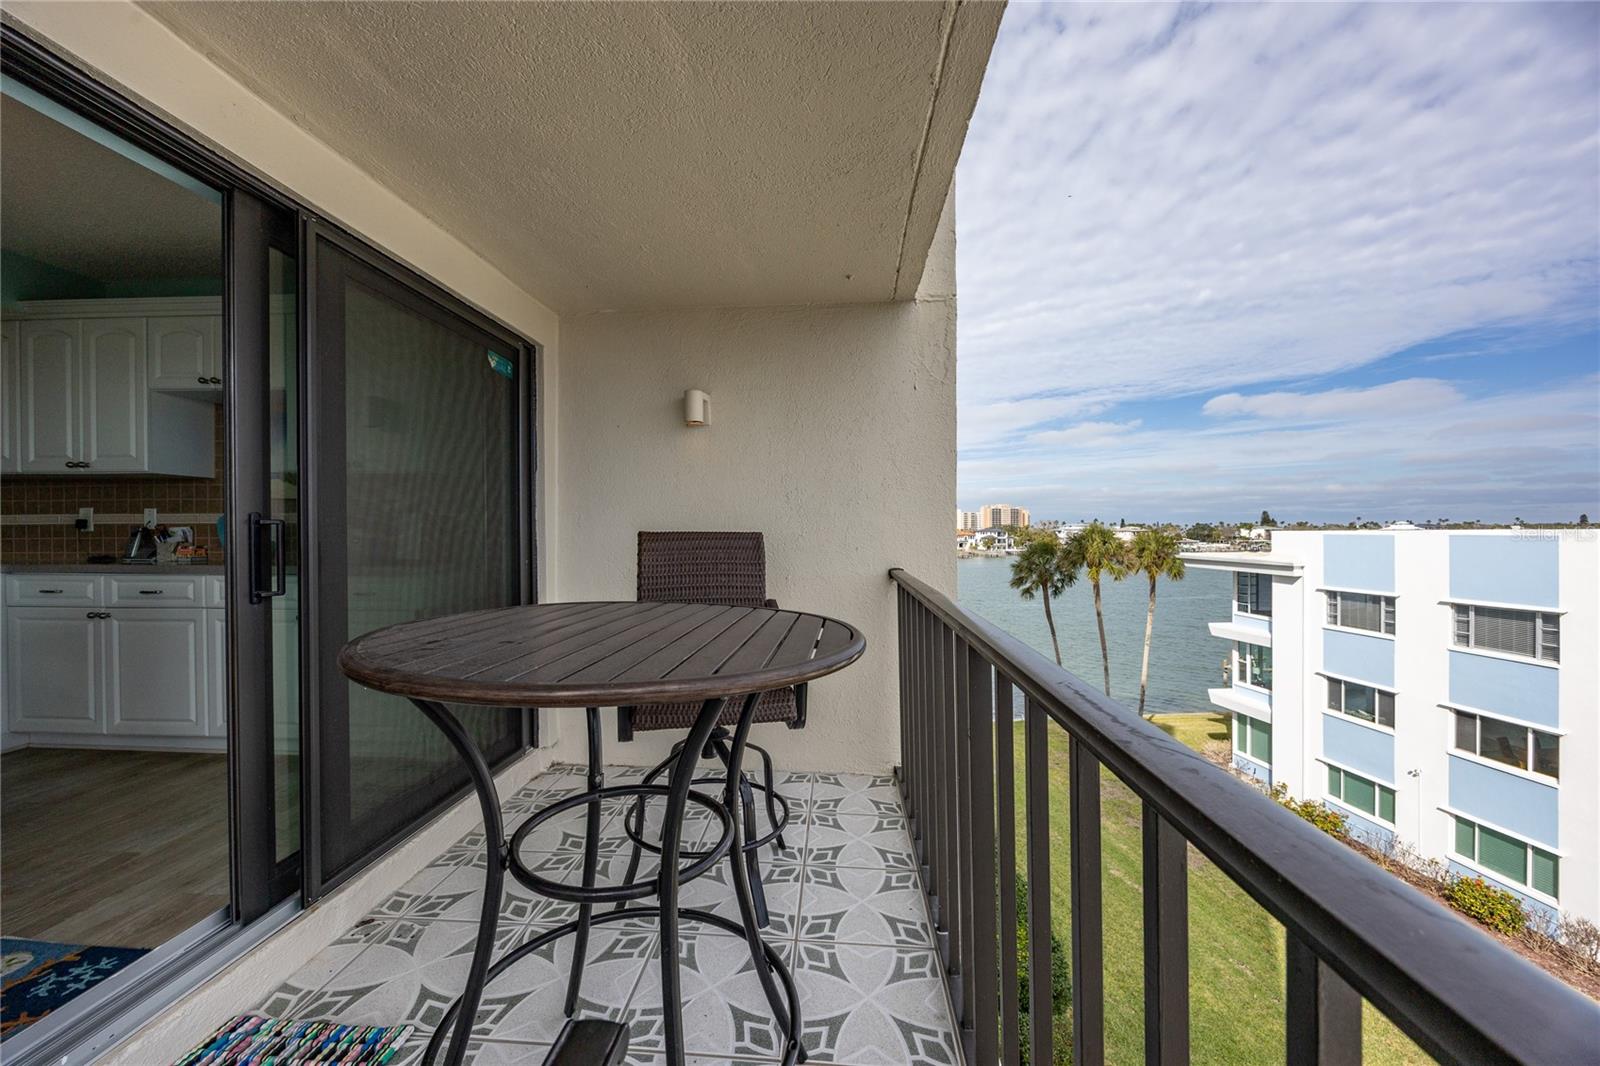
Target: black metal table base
[776, 981]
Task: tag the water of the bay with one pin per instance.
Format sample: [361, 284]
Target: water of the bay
[1185, 659]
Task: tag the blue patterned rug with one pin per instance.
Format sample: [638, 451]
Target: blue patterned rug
[39, 976]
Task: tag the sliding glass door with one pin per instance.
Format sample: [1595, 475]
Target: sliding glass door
[417, 434]
[263, 432]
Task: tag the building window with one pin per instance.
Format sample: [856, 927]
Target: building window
[1532, 634]
[1357, 610]
[1368, 797]
[1255, 665]
[1253, 593]
[1361, 701]
[1516, 861]
[1521, 746]
[1252, 738]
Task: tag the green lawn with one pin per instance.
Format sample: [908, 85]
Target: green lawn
[1236, 950]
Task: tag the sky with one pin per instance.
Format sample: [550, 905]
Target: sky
[1322, 260]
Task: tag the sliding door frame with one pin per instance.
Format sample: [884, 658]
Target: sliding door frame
[253, 229]
[322, 508]
[195, 956]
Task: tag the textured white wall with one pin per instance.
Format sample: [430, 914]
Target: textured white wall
[833, 433]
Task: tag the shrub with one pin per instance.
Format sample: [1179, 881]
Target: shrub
[1060, 974]
[1324, 818]
[1494, 907]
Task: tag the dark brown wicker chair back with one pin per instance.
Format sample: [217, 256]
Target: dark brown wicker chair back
[703, 567]
[706, 567]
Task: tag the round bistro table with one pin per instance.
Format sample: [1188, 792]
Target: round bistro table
[595, 655]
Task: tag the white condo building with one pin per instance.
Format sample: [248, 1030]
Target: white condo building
[1436, 685]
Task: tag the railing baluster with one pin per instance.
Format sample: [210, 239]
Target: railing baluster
[1037, 786]
[939, 793]
[933, 810]
[961, 782]
[1166, 942]
[906, 769]
[948, 793]
[1323, 1012]
[980, 790]
[1088, 946]
[1005, 779]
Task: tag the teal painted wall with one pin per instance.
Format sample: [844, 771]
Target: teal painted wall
[25, 278]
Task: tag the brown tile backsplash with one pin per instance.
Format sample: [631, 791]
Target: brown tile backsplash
[108, 495]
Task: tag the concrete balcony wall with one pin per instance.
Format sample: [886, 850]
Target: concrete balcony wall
[832, 432]
[1252, 622]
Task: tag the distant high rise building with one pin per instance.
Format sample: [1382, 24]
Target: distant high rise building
[1002, 514]
[968, 520]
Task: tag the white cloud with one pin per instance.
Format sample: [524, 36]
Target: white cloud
[1156, 203]
[1087, 433]
[1530, 453]
[1400, 398]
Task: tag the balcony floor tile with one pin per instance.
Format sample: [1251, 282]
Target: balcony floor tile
[847, 914]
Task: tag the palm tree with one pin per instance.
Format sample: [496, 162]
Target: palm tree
[1153, 553]
[1045, 566]
[1098, 550]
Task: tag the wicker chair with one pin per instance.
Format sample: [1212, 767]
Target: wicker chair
[720, 568]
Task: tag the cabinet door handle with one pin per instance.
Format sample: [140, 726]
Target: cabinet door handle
[98, 614]
[152, 592]
[51, 592]
[201, 380]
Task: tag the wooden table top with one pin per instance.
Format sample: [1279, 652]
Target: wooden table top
[600, 654]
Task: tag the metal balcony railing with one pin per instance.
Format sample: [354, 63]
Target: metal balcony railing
[1353, 929]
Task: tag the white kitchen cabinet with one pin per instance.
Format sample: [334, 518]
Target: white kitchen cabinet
[50, 395]
[186, 353]
[116, 660]
[53, 674]
[216, 673]
[10, 442]
[85, 400]
[155, 671]
[115, 406]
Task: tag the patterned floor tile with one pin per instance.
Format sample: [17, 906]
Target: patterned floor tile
[874, 1006]
[871, 990]
[725, 1011]
[869, 841]
[863, 906]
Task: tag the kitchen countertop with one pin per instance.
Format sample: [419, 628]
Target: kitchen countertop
[131, 569]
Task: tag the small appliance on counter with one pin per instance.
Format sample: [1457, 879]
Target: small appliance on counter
[141, 549]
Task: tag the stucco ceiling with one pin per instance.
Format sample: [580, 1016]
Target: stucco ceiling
[631, 155]
[78, 205]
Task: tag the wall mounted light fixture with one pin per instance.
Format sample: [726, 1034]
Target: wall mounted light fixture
[696, 408]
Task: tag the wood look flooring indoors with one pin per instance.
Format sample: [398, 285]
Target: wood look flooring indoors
[113, 848]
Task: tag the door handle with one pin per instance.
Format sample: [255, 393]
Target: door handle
[268, 573]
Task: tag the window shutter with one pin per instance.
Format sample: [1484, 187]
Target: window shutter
[1514, 632]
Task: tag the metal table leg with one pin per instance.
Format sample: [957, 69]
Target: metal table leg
[667, 878]
[591, 859]
[493, 887]
[735, 797]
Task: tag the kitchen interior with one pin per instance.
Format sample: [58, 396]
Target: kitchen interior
[113, 778]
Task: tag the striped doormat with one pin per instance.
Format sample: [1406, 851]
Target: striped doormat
[256, 1040]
